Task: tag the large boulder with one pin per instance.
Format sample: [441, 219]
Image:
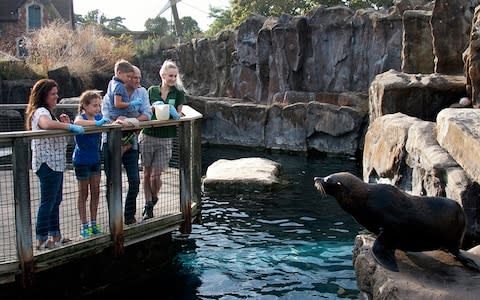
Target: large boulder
[384, 150]
[422, 275]
[459, 134]
[11, 120]
[416, 95]
[243, 73]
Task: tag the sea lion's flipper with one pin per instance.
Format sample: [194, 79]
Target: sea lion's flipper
[384, 255]
[467, 262]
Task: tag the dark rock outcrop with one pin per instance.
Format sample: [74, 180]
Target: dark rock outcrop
[15, 91]
[423, 275]
[471, 59]
[331, 49]
[299, 127]
[451, 21]
[417, 51]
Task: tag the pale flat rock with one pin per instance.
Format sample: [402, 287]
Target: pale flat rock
[251, 173]
[458, 132]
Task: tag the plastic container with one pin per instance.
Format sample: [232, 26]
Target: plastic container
[162, 112]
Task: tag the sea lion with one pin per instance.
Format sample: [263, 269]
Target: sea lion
[400, 221]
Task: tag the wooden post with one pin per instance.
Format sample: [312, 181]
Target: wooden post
[196, 163]
[114, 185]
[184, 142]
[23, 224]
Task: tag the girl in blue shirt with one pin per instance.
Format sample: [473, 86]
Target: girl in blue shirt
[86, 160]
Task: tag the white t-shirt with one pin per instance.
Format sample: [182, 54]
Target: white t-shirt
[51, 151]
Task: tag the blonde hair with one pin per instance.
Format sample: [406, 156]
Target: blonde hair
[170, 64]
[86, 98]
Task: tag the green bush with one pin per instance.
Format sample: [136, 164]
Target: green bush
[154, 46]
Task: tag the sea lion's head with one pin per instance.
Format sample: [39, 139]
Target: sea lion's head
[343, 183]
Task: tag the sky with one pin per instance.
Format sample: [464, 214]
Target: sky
[136, 12]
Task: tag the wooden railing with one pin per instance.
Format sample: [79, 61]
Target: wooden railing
[178, 205]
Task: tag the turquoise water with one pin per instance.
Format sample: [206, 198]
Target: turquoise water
[287, 244]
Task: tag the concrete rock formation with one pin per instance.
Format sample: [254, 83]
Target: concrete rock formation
[417, 95]
[471, 59]
[428, 158]
[335, 125]
[423, 275]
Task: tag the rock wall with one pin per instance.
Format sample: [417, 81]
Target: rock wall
[335, 127]
[330, 49]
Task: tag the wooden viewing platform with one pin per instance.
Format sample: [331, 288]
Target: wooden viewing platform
[178, 205]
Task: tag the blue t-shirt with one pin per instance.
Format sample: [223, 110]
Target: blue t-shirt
[87, 146]
[139, 93]
[116, 87]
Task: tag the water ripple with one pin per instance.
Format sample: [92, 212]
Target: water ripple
[287, 244]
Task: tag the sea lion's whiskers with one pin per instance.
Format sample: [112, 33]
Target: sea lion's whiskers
[319, 186]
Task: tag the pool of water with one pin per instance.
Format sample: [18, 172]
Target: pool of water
[286, 244]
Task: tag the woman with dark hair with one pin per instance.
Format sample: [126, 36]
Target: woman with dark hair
[48, 159]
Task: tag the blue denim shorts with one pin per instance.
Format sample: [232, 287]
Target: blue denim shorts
[86, 171]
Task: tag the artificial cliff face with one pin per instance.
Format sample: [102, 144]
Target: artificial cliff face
[471, 59]
[330, 49]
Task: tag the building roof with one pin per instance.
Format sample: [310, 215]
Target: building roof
[9, 9]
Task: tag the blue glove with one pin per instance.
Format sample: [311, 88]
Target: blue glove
[102, 121]
[158, 102]
[77, 129]
[174, 113]
[135, 103]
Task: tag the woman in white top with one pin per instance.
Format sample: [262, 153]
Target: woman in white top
[48, 159]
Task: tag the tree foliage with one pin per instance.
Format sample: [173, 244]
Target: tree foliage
[190, 27]
[222, 20]
[158, 25]
[95, 17]
[240, 10]
[161, 27]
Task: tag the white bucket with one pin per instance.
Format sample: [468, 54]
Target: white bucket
[162, 112]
